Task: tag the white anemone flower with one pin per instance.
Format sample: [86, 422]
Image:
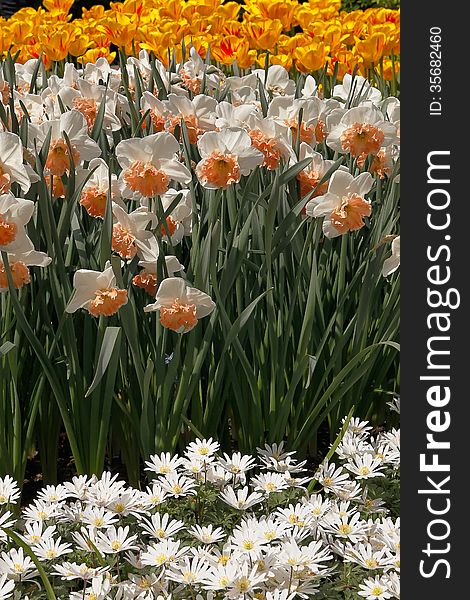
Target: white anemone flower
[225, 156]
[115, 540]
[149, 164]
[96, 291]
[6, 587]
[392, 263]
[11, 163]
[241, 499]
[83, 148]
[376, 588]
[180, 305]
[344, 205]
[9, 490]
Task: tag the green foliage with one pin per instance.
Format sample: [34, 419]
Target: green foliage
[350, 5]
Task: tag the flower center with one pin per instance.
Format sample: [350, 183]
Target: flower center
[116, 545]
[220, 170]
[179, 317]
[58, 158]
[160, 533]
[379, 165]
[146, 179]
[376, 591]
[361, 139]
[123, 242]
[345, 529]
[371, 563]
[5, 92]
[5, 181]
[364, 471]
[307, 134]
[158, 120]
[248, 545]
[320, 132]
[107, 302]
[148, 282]
[87, 106]
[171, 225]
[348, 216]
[268, 146]
[161, 558]
[19, 274]
[8, 232]
[243, 584]
[94, 200]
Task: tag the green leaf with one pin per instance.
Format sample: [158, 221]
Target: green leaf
[110, 338]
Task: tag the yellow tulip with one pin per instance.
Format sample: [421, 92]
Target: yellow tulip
[310, 58]
[371, 49]
[263, 34]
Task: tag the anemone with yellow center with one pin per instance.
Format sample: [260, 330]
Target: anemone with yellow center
[96, 292]
[345, 529]
[180, 306]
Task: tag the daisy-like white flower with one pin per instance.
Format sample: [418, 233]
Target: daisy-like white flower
[296, 516]
[345, 527]
[269, 483]
[15, 213]
[207, 534]
[53, 493]
[273, 451]
[247, 580]
[17, 566]
[248, 540]
[278, 594]
[149, 164]
[153, 496]
[237, 464]
[131, 236]
[9, 490]
[375, 588]
[96, 291]
[127, 503]
[166, 552]
[365, 467]
[49, 548]
[105, 490]
[98, 590]
[217, 475]
[330, 477]
[177, 485]
[392, 263]
[220, 576]
[161, 527]
[6, 587]
[189, 571]
[6, 520]
[99, 517]
[11, 163]
[19, 263]
[35, 533]
[392, 579]
[115, 540]
[361, 131]
[98, 188]
[344, 205]
[366, 556]
[180, 306]
[163, 464]
[358, 427]
[79, 486]
[70, 571]
[40, 511]
[225, 156]
[242, 499]
[83, 148]
[202, 449]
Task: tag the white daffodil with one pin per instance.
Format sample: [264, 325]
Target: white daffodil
[392, 263]
[277, 81]
[130, 234]
[226, 156]
[355, 90]
[19, 263]
[147, 277]
[83, 148]
[95, 192]
[272, 138]
[343, 205]
[309, 178]
[180, 221]
[96, 291]
[198, 114]
[361, 131]
[229, 115]
[15, 213]
[180, 306]
[149, 164]
[11, 163]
